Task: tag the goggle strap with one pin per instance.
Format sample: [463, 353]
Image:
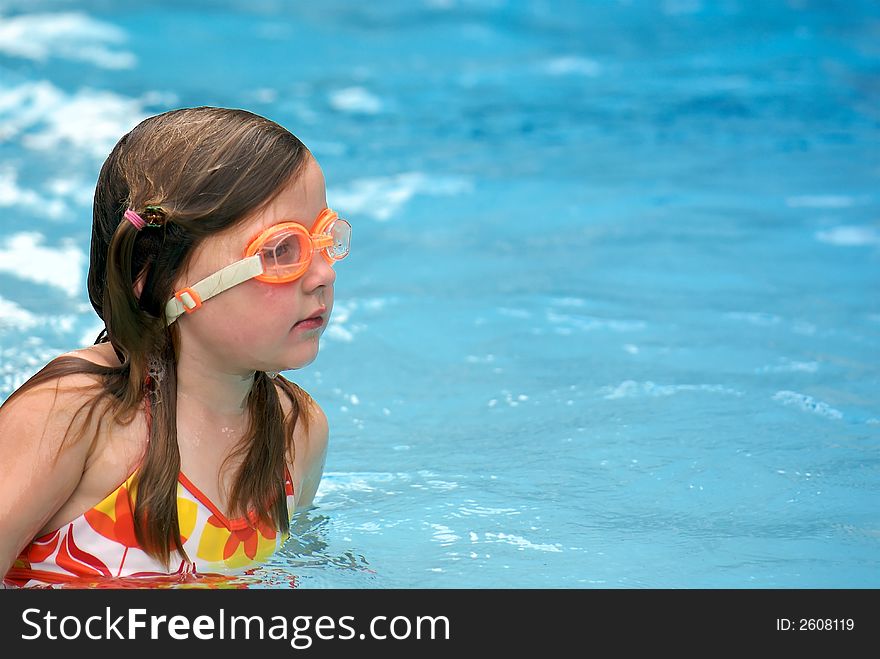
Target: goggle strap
[222, 280]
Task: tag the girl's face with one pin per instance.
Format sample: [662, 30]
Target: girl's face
[258, 326]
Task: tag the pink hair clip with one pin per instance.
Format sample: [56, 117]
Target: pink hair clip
[136, 220]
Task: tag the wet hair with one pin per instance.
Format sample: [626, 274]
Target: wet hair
[200, 171]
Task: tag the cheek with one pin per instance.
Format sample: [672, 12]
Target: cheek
[277, 304]
[252, 315]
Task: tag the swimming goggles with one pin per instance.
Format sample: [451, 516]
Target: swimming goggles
[280, 254]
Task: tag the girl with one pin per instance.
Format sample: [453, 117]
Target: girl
[171, 446]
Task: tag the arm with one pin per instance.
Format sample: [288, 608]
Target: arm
[315, 449]
[40, 469]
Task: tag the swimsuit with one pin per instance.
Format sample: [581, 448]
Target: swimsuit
[101, 543]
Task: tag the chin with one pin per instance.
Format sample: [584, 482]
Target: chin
[301, 362]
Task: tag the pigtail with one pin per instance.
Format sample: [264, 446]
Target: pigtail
[157, 526]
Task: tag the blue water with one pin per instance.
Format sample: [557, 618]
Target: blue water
[611, 317]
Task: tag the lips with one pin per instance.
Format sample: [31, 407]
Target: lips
[315, 320]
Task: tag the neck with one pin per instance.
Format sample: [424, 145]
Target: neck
[209, 392]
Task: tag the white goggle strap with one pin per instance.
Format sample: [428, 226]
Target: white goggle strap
[189, 299]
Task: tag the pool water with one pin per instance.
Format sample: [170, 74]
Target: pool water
[611, 318]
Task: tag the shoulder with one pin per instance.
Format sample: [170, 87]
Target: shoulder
[52, 396]
[49, 406]
[319, 428]
[45, 443]
[100, 353]
[47, 421]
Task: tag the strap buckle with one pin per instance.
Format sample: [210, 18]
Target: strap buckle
[190, 300]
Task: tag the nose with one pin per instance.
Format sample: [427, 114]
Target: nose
[320, 273]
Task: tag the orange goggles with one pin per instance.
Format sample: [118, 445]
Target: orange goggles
[280, 254]
[286, 249]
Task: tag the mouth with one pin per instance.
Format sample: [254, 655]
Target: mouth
[314, 321]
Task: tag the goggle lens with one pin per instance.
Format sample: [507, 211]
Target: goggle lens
[340, 232]
[284, 255]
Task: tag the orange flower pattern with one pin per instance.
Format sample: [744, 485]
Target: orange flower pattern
[101, 543]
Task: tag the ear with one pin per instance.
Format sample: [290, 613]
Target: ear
[138, 285]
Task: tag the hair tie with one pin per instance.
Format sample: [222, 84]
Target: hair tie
[154, 213]
[136, 220]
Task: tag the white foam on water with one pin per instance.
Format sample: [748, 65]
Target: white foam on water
[28, 353]
[441, 485]
[589, 323]
[89, 121]
[24, 256]
[15, 317]
[341, 328]
[342, 481]
[790, 367]
[70, 35]
[89, 336]
[356, 100]
[11, 194]
[339, 333]
[342, 311]
[443, 534]
[78, 191]
[509, 398]
[382, 197]
[24, 105]
[849, 236]
[807, 404]
[633, 389]
[49, 119]
[522, 543]
[485, 511]
[375, 303]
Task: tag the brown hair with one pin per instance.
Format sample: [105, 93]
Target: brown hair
[206, 169]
